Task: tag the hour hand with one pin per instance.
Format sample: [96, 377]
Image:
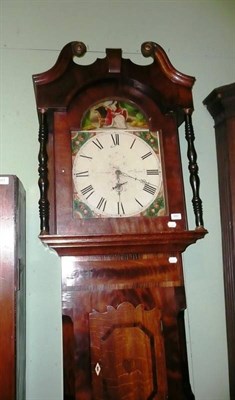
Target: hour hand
[118, 186]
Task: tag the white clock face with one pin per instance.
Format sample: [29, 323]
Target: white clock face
[117, 174]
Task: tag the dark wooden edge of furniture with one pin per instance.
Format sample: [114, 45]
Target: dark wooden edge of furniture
[221, 105]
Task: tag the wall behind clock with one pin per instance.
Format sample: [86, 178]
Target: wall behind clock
[199, 38]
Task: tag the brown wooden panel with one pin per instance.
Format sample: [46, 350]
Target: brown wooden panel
[221, 105]
[12, 289]
[127, 354]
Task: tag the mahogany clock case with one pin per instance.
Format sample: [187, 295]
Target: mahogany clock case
[66, 92]
[123, 296]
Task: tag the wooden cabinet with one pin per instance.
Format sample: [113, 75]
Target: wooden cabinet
[12, 289]
[221, 105]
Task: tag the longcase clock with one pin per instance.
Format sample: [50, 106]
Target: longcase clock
[112, 206]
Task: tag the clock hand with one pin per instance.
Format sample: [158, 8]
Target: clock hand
[118, 173]
[132, 177]
[118, 186]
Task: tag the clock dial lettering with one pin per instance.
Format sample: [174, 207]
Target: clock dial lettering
[149, 188]
[120, 208]
[115, 139]
[98, 144]
[82, 174]
[146, 155]
[102, 204]
[88, 190]
[152, 171]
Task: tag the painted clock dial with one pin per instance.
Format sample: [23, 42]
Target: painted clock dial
[117, 173]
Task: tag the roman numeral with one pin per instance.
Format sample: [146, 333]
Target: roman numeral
[132, 144]
[82, 174]
[137, 201]
[97, 143]
[82, 155]
[88, 190]
[146, 155]
[149, 188]
[115, 139]
[102, 203]
[152, 172]
[120, 208]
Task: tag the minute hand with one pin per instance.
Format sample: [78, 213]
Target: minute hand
[133, 177]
